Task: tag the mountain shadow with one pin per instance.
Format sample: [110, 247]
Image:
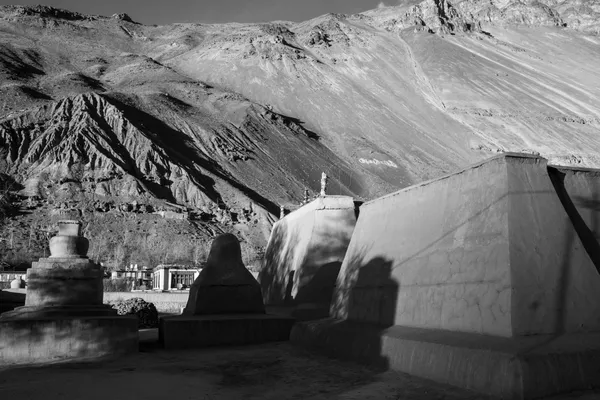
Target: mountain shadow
[181, 149]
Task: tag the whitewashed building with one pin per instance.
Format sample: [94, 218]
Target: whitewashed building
[174, 277]
[142, 275]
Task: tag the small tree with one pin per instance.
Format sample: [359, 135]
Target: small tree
[199, 254]
[119, 255]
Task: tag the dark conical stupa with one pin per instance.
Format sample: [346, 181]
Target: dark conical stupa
[225, 286]
[225, 306]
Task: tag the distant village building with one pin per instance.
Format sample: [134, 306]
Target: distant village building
[9, 276]
[174, 276]
[173, 215]
[162, 277]
[9, 273]
[141, 275]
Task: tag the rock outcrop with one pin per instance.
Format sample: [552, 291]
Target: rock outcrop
[122, 17]
[41, 11]
[213, 118]
[578, 15]
[433, 16]
[439, 16]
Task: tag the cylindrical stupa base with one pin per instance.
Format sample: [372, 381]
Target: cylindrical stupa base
[63, 318]
[66, 282]
[67, 339]
[68, 246]
[33, 312]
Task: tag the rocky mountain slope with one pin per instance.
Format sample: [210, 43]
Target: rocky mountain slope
[227, 122]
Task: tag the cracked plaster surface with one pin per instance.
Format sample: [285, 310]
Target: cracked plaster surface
[489, 250]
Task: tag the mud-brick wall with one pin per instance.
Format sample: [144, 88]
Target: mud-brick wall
[488, 250]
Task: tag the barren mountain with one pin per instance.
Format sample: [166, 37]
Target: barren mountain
[235, 119]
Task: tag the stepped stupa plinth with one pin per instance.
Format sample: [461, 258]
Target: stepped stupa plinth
[225, 306]
[63, 317]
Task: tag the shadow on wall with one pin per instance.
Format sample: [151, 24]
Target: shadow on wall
[274, 280]
[577, 227]
[316, 279]
[318, 286]
[363, 307]
[65, 289]
[364, 304]
[365, 301]
[294, 275]
[374, 295]
[586, 235]
[366, 291]
[592, 205]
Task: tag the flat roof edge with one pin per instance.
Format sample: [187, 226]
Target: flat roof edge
[461, 171]
[320, 203]
[575, 169]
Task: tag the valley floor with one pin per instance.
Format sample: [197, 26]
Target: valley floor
[274, 371]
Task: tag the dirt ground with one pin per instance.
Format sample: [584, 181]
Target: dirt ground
[273, 371]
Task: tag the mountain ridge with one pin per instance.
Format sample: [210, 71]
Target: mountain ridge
[223, 118]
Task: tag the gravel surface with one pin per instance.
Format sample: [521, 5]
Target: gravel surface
[273, 371]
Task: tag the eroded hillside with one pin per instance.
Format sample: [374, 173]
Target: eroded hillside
[231, 120]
